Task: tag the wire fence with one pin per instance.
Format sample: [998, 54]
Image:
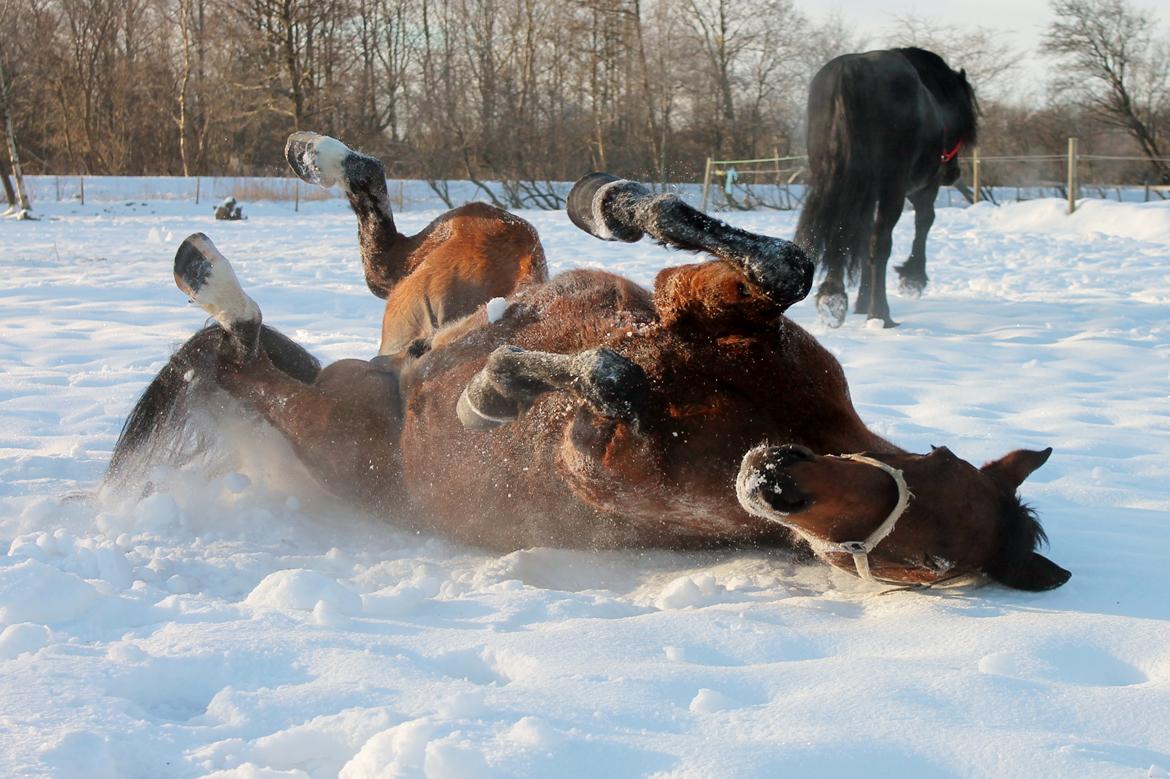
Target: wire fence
[778, 182]
[781, 182]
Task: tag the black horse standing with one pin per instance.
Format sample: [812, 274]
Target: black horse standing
[883, 126]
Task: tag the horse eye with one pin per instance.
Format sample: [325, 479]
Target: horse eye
[741, 289]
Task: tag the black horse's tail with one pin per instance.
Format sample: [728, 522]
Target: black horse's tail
[836, 221]
[159, 430]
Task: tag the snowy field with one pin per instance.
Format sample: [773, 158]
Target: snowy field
[240, 625]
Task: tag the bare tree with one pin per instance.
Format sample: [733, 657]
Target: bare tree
[990, 61]
[1115, 63]
[18, 197]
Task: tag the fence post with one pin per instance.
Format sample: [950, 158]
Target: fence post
[1072, 175]
[706, 184]
[297, 202]
[82, 180]
[196, 190]
[976, 167]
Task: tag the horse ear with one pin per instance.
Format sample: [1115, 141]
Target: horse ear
[1035, 574]
[963, 73]
[1016, 466]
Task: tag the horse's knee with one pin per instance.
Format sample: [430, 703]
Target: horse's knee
[710, 293]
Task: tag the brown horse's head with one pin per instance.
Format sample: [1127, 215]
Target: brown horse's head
[906, 518]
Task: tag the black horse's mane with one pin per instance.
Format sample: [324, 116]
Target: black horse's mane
[949, 88]
[1022, 536]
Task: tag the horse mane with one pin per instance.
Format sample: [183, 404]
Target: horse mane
[949, 88]
[1021, 536]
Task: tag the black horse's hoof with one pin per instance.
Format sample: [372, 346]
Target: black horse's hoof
[831, 306]
[911, 279]
[591, 207]
[911, 287]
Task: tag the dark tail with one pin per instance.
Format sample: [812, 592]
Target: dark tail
[158, 429]
[836, 222]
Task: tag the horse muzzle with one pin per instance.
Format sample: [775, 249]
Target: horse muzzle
[764, 486]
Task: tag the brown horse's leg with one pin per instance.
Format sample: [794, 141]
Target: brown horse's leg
[344, 425]
[618, 210]
[513, 379]
[319, 159]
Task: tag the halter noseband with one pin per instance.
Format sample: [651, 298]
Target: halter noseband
[861, 549]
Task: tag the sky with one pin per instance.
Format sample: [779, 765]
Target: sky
[1022, 21]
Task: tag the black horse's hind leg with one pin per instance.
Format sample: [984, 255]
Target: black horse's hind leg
[832, 299]
[888, 211]
[912, 273]
[319, 159]
[615, 209]
[513, 379]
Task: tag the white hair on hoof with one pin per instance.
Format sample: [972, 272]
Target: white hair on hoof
[206, 276]
[318, 159]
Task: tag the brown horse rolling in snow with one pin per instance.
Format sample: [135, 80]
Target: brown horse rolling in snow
[594, 413]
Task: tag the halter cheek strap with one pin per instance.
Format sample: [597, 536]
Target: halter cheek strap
[861, 549]
[947, 156]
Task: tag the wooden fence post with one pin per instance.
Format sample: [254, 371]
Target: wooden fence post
[82, 180]
[976, 167]
[706, 184]
[1072, 175]
[196, 190]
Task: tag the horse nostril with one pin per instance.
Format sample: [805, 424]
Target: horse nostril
[791, 454]
[781, 493]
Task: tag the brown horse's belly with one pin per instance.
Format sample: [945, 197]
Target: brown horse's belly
[561, 476]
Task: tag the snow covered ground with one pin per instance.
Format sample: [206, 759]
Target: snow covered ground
[240, 625]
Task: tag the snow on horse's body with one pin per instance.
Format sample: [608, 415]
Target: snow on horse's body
[596, 414]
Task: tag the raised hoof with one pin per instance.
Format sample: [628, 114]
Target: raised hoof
[209, 280]
[590, 207]
[480, 408]
[911, 287]
[317, 159]
[483, 405]
[614, 386]
[911, 279]
[832, 306]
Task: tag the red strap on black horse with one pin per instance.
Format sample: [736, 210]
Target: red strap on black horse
[947, 156]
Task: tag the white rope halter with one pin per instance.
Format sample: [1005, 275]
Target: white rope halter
[861, 549]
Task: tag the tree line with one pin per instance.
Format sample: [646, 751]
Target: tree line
[516, 90]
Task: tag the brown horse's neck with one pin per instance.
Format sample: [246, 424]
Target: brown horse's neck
[385, 251]
[809, 396]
